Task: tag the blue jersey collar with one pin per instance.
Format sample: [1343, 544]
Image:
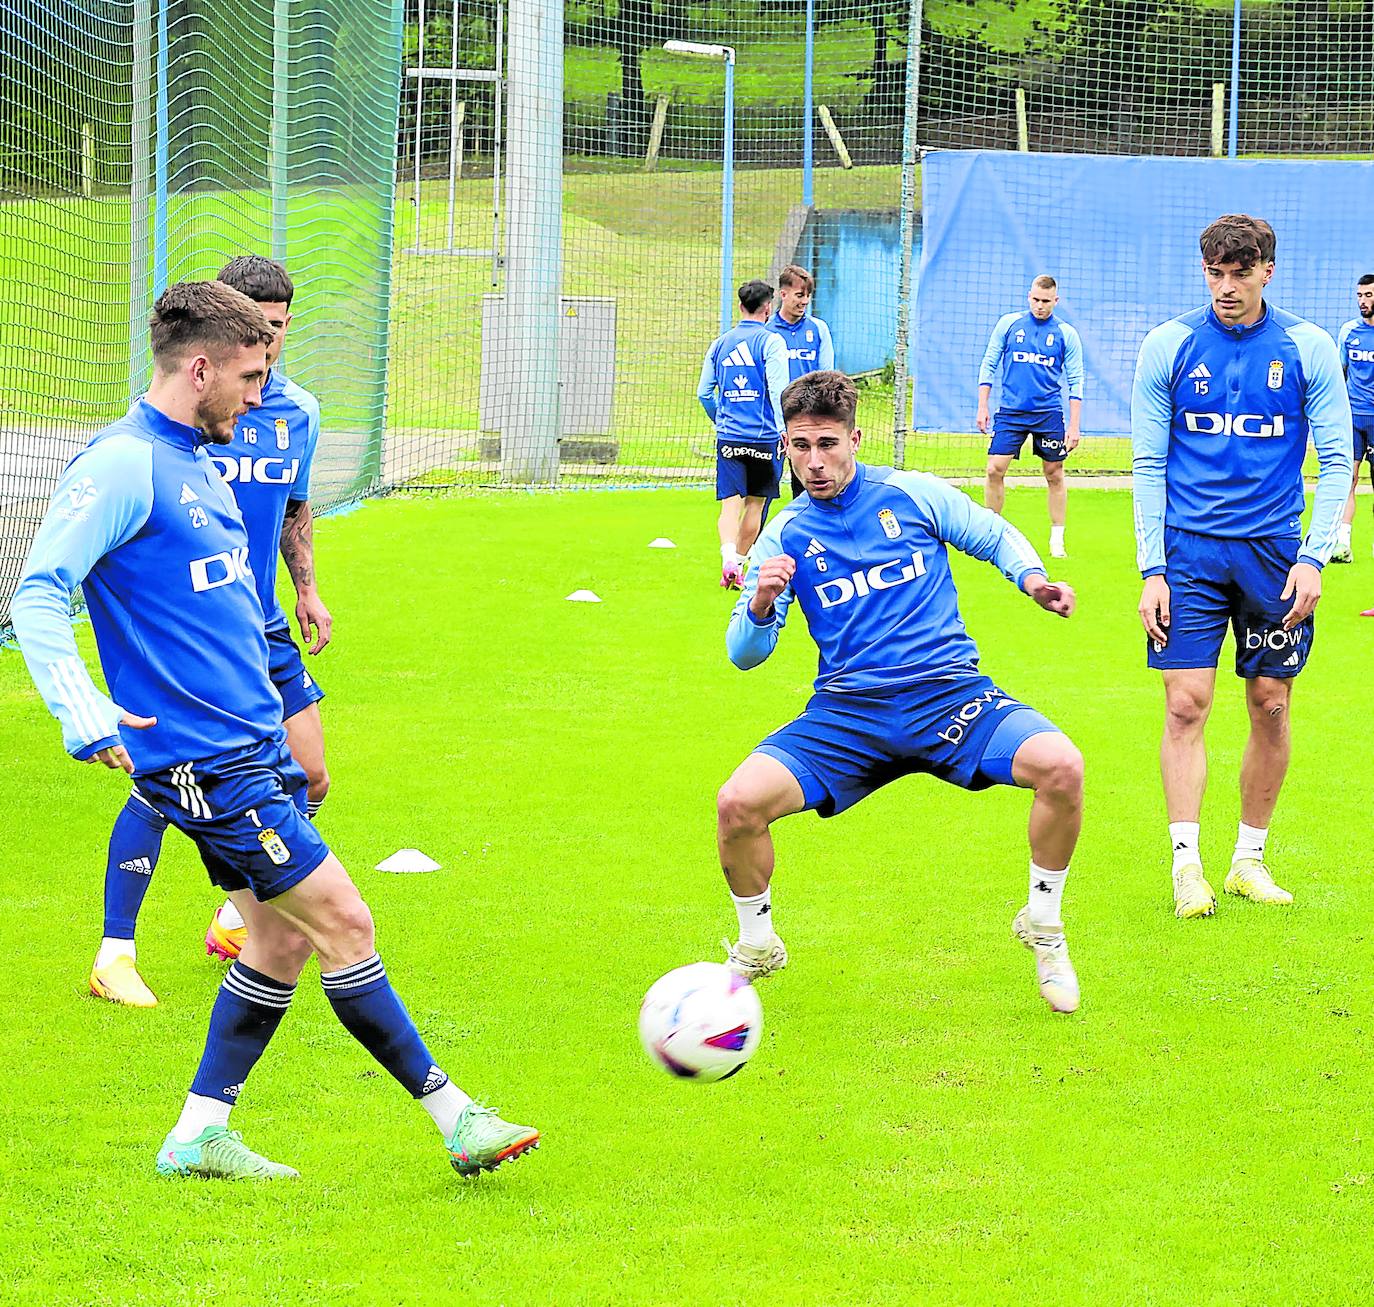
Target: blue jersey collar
[849, 494]
[1241, 331]
[168, 429]
[777, 320]
[274, 384]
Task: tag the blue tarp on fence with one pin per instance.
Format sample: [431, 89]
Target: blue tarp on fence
[1121, 237]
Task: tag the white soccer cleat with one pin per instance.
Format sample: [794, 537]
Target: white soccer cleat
[1058, 550]
[1343, 555]
[754, 963]
[1249, 878]
[1193, 896]
[1058, 980]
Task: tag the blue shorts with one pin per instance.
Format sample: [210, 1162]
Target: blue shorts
[1009, 432]
[747, 470]
[286, 667]
[1364, 438]
[1216, 582]
[245, 810]
[845, 746]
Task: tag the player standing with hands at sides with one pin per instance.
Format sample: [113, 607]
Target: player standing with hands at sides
[742, 379]
[1037, 355]
[142, 520]
[1224, 402]
[809, 344]
[864, 554]
[267, 468]
[1355, 344]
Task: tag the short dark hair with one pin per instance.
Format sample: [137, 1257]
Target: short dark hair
[1238, 238]
[1045, 282]
[1366, 280]
[795, 275]
[826, 394]
[264, 281]
[753, 295]
[205, 315]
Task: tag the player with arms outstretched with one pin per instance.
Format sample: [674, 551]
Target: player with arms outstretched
[1225, 399]
[267, 466]
[143, 522]
[1355, 344]
[864, 554]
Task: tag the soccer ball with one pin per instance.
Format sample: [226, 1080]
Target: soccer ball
[701, 1022]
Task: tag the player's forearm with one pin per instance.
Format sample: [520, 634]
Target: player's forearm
[41, 613]
[750, 639]
[1335, 469]
[1075, 413]
[984, 394]
[298, 546]
[708, 402]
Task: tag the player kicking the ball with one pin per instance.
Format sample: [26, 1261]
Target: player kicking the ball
[864, 555]
[267, 468]
[142, 520]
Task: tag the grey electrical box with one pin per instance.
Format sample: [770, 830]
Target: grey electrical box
[586, 364]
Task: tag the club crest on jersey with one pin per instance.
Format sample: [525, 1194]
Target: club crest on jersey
[1049, 340]
[887, 519]
[283, 434]
[274, 848]
[1276, 374]
[810, 336]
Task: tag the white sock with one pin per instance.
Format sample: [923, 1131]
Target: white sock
[199, 1113]
[229, 916]
[445, 1105]
[1184, 836]
[1250, 842]
[1056, 536]
[1046, 897]
[1343, 535]
[115, 948]
[755, 918]
[728, 556]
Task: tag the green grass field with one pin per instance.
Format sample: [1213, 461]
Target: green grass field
[916, 1127]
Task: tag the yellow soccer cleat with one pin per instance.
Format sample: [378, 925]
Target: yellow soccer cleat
[1193, 896]
[120, 982]
[1250, 879]
[223, 941]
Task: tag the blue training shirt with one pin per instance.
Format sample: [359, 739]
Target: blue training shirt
[742, 379]
[1220, 418]
[1037, 359]
[809, 346]
[266, 465]
[142, 520]
[873, 580]
[1355, 345]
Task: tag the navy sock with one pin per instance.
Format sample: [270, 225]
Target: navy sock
[135, 843]
[248, 1009]
[364, 1001]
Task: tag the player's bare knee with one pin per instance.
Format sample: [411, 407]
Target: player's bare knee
[1054, 474]
[737, 812]
[1061, 772]
[1185, 712]
[996, 475]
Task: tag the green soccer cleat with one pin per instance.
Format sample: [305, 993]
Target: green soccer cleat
[218, 1153]
[481, 1141]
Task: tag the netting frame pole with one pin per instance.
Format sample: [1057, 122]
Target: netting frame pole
[727, 200]
[1233, 130]
[809, 109]
[160, 155]
[140, 189]
[532, 407]
[281, 80]
[901, 416]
